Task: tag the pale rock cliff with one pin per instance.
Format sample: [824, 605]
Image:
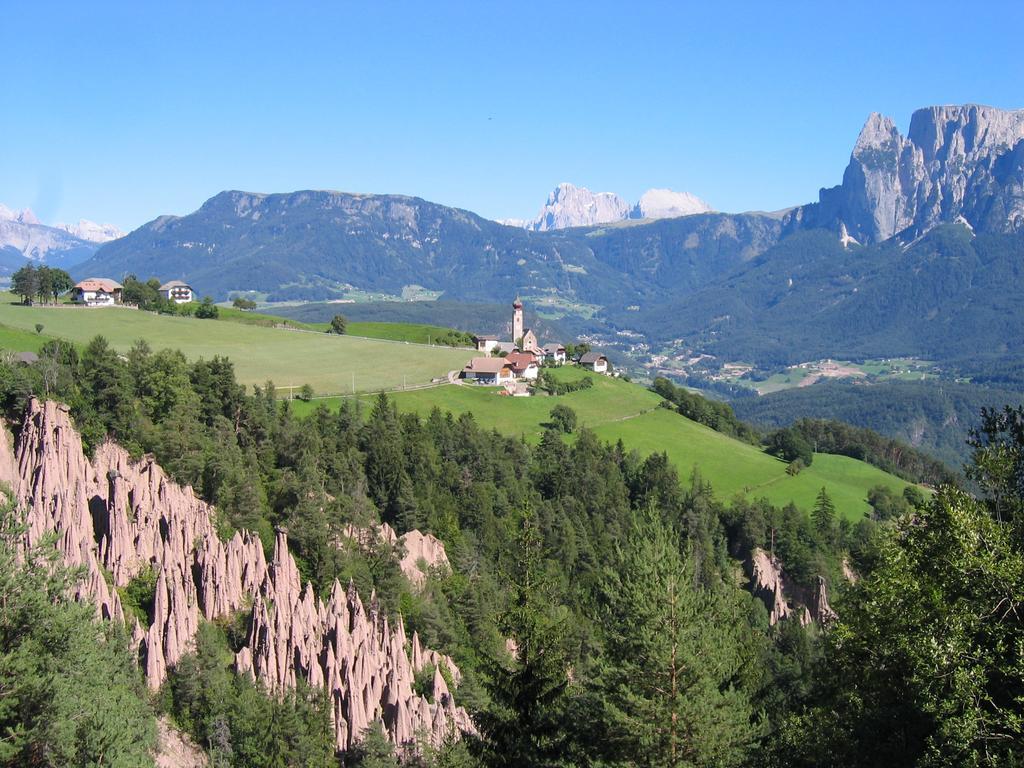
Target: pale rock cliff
[63, 245]
[572, 206]
[667, 204]
[91, 232]
[768, 583]
[115, 516]
[420, 553]
[956, 163]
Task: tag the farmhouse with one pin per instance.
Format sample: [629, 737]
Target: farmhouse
[97, 292]
[524, 365]
[488, 370]
[594, 361]
[486, 344]
[177, 291]
[554, 353]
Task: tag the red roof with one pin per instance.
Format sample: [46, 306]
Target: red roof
[520, 361]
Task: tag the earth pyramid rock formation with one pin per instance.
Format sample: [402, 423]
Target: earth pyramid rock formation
[116, 516]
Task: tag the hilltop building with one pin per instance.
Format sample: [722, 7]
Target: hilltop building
[177, 291]
[97, 292]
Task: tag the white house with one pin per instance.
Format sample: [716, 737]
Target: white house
[486, 344]
[554, 353]
[97, 292]
[488, 370]
[177, 291]
[524, 365]
[594, 361]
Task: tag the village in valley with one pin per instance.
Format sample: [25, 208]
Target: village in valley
[515, 364]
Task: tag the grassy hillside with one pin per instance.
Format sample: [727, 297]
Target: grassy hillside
[616, 410]
[287, 357]
[20, 340]
[414, 333]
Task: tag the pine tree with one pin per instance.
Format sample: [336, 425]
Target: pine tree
[524, 725]
[824, 513]
[674, 650]
[71, 692]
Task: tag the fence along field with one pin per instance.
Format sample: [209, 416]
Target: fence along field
[328, 363]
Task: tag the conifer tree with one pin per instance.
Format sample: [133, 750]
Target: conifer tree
[673, 652]
[525, 724]
[824, 513]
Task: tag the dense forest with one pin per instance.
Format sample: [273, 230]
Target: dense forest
[619, 585]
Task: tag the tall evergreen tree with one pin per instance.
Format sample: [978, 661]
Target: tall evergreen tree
[674, 651]
[824, 513]
[524, 725]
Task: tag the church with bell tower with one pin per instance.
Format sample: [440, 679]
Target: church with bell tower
[524, 338]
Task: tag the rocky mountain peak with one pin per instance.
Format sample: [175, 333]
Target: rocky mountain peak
[92, 232]
[879, 131]
[572, 206]
[667, 204]
[956, 162]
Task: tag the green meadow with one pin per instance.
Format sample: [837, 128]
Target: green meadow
[619, 410]
[328, 363]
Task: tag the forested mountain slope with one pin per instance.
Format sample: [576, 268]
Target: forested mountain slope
[311, 244]
[949, 295]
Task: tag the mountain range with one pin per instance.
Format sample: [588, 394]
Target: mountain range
[921, 229]
[24, 239]
[572, 206]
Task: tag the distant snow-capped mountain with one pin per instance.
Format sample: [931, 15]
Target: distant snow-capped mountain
[91, 231]
[572, 206]
[667, 204]
[24, 237]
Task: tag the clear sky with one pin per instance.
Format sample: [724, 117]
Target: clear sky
[122, 112]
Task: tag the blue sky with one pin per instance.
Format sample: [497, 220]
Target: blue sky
[122, 112]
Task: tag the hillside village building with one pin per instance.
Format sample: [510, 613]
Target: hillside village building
[486, 344]
[489, 370]
[594, 361]
[97, 292]
[524, 365]
[177, 291]
[554, 353]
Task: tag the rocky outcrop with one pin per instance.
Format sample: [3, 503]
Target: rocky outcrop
[116, 516]
[422, 553]
[768, 583]
[353, 651]
[957, 163]
[175, 749]
[419, 553]
[821, 610]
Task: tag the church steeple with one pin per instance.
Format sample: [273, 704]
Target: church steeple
[517, 320]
